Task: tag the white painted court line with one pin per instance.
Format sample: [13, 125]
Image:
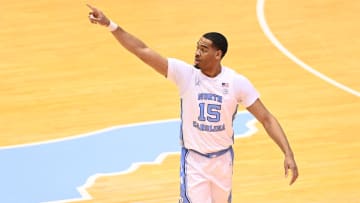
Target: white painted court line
[85, 134]
[264, 26]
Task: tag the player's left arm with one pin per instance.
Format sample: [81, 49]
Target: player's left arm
[274, 130]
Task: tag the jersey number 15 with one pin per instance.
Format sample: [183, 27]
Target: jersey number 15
[212, 112]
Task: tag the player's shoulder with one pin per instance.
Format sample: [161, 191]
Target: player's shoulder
[235, 76]
[232, 73]
[179, 70]
[177, 62]
[178, 65]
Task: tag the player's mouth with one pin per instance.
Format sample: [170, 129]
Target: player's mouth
[196, 61]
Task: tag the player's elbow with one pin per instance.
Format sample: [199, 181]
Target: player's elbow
[141, 53]
[267, 119]
[154, 60]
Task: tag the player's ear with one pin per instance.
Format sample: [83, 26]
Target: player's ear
[218, 54]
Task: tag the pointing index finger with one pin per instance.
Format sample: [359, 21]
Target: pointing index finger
[94, 14]
[92, 8]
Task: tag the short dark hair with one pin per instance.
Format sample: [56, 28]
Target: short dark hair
[219, 41]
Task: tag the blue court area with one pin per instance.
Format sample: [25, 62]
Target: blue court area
[53, 170]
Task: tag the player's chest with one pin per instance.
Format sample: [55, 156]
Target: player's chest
[209, 91]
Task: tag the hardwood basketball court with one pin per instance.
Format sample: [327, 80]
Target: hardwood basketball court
[61, 76]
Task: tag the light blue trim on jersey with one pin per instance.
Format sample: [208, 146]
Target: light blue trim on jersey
[232, 163]
[233, 118]
[183, 196]
[213, 154]
[230, 197]
[181, 124]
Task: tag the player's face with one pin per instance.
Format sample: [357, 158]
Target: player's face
[206, 54]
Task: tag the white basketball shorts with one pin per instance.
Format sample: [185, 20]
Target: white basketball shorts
[206, 178]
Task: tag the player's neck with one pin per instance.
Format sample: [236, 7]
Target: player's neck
[212, 71]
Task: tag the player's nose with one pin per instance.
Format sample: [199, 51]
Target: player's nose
[197, 52]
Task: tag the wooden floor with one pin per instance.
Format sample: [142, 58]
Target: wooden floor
[61, 76]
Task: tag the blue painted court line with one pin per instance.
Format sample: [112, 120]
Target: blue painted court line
[54, 170]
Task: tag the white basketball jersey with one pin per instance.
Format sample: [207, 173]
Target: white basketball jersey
[208, 105]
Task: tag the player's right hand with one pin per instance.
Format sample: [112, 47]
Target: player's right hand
[97, 17]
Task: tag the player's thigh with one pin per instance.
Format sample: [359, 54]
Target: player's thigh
[198, 190]
[219, 195]
[221, 179]
[206, 179]
[195, 185]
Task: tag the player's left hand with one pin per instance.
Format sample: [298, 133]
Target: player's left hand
[289, 163]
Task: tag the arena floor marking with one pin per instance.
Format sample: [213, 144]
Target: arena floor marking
[264, 26]
[62, 170]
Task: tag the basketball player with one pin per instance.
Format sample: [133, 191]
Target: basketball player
[210, 94]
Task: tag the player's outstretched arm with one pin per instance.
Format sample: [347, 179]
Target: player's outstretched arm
[274, 130]
[130, 42]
